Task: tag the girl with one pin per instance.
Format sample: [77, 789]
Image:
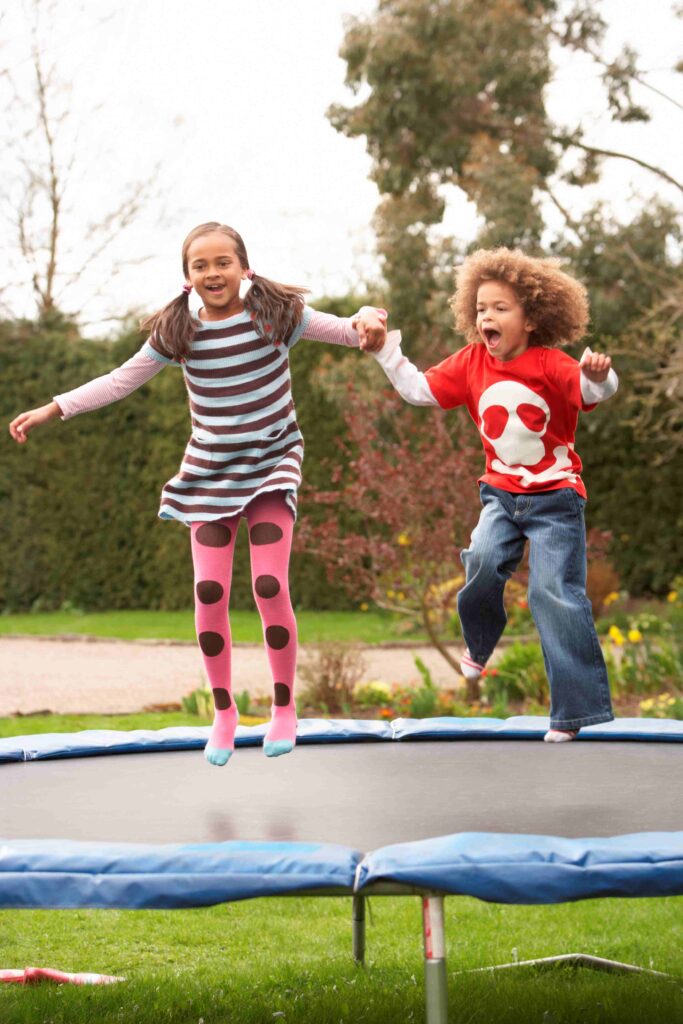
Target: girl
[245, 452]
[525, 396]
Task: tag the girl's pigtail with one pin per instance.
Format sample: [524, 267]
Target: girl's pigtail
[172, 328]
[276, 309]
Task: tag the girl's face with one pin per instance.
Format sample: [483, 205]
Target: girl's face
[215, 272]
[501, 321]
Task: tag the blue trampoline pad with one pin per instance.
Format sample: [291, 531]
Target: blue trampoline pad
[61, 874]
[533, 869]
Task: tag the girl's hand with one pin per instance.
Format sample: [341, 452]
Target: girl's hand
[371, 325]
[595, 366]
[26, 421]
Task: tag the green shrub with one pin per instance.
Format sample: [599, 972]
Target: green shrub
[519, 675]
[331, 673]
[424, 699]
[645, 655]
[372, 694]
[664, 705]
[243, 702]
[199, 702]
[423, 702]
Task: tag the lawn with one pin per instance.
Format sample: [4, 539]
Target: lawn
[371, 627]
[290, 960]
[22, 725]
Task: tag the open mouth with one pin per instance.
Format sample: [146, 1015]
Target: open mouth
[492, 336]
[214, 287]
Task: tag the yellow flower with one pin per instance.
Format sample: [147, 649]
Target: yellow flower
[670, 701]
[611, 598]
[391, 593]
[647, 705]
[401, 596]
[635, 636]
[403, 539]
[376, 687]
[672, 596]
[616, 635]
[363, 607]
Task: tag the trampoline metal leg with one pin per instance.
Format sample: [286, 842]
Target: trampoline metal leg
[436, 989]
[594, 963]
[359, 929]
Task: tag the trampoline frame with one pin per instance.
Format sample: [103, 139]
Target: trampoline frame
[364, 884]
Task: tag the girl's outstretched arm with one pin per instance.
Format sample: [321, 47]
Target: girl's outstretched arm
[366, 329]
[22, 424]
[111, 387]
[411, 384]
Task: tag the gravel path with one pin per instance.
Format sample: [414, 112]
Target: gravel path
[114, 676]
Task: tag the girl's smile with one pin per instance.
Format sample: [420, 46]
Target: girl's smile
[215, 273]
[501, 321]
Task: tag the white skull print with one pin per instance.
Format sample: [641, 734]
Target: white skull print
[524, 417]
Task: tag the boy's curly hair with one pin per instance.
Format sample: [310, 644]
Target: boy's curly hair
[555, 302]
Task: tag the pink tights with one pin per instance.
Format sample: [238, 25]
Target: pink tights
[270, 523]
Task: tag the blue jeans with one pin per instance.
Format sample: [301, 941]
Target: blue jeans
[552, 522]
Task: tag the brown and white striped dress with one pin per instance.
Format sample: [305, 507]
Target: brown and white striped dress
[245, 439]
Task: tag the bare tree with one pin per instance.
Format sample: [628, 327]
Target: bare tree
[49, 166]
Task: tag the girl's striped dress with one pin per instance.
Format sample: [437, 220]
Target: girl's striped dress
[245, 439]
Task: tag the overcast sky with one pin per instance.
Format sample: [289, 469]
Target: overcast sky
[222, 105]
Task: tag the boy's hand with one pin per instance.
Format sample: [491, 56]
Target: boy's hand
[595, 366]
[371, 325]
[26, 421]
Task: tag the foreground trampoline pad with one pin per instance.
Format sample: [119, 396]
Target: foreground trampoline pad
[533, 869]
[495, 868]
[61, 874]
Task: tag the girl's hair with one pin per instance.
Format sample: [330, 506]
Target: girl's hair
[276, 309]
[554, 302]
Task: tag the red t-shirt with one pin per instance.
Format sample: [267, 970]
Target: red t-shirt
[526, 412]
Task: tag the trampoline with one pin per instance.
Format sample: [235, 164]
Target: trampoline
[430, 807]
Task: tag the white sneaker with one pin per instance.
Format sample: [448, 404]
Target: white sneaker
[470, 668]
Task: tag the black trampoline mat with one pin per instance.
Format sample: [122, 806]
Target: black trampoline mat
[363, 795]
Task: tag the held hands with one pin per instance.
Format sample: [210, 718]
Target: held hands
[26, 421]
[595, 366]
[371, 325]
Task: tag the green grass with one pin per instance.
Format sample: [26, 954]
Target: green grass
[248, 962]
[370, 627]
[28, 725]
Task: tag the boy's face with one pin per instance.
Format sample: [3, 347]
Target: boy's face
[502, 324]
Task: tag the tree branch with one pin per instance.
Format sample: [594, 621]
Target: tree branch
[569, 220]
[652, 88]
[53, 189]
[562, 140]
